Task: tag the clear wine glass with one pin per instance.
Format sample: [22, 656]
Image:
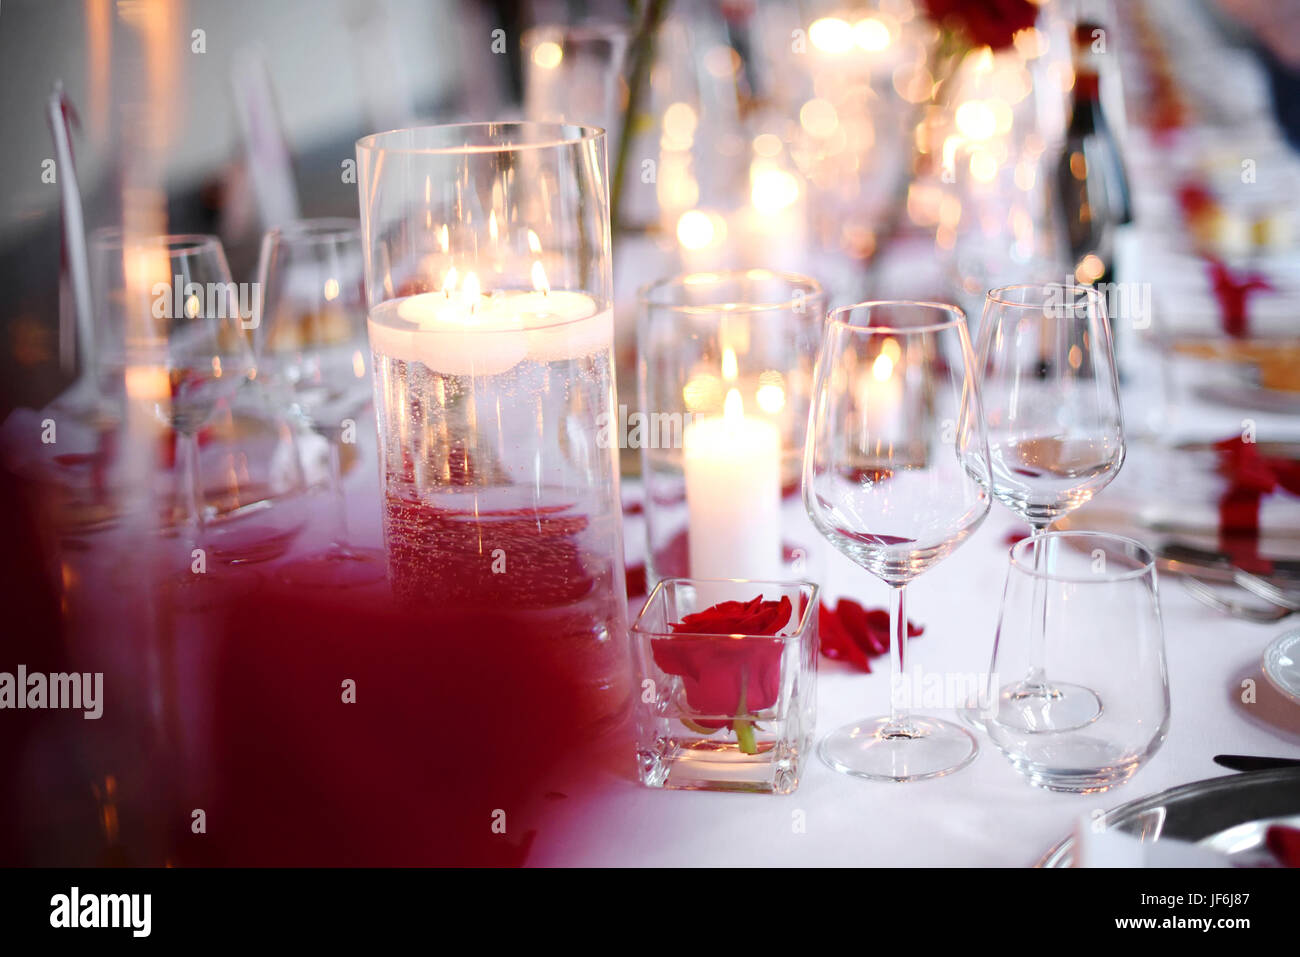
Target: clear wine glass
[312, 343]
[896, 476]
[208, 359]
[1056, 438]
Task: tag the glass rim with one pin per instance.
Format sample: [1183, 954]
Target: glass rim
[596, 28]
[318, 230]
[800, 584]
[114, 237]
[998, 295]
[757, 273]
[558, 135]
[1142, 554]
[957, 316]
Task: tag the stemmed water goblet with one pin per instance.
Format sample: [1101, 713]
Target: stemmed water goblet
[1056, 438]
[312, 346]
[208, 358]
[896, 477]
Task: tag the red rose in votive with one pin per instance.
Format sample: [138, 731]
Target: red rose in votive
[723, 675]
[753, 617]
[992, 23]
[726, 662]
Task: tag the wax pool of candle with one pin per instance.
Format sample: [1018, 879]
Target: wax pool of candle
[490, 334]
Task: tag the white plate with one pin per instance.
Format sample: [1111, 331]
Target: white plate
[1248, 837]
[1282, 664]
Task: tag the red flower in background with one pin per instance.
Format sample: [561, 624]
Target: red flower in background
[992, 23]
[728, 675]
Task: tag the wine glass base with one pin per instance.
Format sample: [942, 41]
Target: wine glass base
[930, 749]
[1038, 709]
[336, 568]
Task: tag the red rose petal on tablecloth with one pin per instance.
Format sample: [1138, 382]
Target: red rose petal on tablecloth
[856, 634]
[835, 641]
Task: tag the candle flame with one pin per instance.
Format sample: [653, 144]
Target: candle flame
[882, 368]
[539, 278]
[444, 238]
[733, 408]
[449, 282]
[358, 364]
[471, 290]
[730, 368]
[548, 55]
[534, 244]
[331, 290]
[148, 382]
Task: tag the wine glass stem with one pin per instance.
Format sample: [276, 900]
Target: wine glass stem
[189, 483]
[899, 719]
[1038, 636]
[339, 502]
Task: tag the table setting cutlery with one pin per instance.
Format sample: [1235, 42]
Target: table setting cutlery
[1252, 762]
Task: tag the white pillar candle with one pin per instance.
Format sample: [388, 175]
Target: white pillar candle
[881, 397]
[733, 495]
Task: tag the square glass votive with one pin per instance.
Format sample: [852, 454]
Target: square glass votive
[726, 712]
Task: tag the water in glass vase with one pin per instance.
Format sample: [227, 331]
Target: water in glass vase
[501, 511]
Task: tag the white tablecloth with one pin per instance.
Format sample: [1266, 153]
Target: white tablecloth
[983, 815]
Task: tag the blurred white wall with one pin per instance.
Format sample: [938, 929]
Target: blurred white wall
[336, 66]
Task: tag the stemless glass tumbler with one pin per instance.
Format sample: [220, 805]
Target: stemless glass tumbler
[1103, 632]
[487, 266]
[896, 477]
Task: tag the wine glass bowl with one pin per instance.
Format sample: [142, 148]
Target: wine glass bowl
[1051, 398]
[896, 476]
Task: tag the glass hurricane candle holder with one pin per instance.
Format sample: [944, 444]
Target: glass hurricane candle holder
[487, 266]
[731, 711]
[725, 375]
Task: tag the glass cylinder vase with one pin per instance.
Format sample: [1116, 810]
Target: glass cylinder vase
[489, 284]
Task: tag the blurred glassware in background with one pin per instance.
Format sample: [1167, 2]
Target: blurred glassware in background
[574, 73]
[313, 355]
[1104, 633]
[230, 453]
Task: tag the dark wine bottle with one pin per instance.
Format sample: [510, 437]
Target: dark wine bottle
[1092, 186]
